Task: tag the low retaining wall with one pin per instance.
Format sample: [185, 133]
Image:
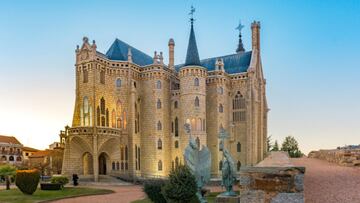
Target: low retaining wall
[272, 184]
[344, 157]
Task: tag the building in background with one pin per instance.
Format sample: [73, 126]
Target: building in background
[10, 150]
[130, 108]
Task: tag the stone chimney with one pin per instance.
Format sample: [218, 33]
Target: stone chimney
[171, 45]
[255, 29]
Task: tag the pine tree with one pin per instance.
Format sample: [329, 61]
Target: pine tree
[275, 146]
[269, 145]
[291, 146]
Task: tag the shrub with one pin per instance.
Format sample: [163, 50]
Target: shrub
[152, 188]
[60, 179]
[181, 186]
[27, 180]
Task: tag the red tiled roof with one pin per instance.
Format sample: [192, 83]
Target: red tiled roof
[29, 149]
[9, 139]
[41, 153]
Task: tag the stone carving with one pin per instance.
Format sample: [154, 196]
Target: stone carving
[228, 166]
[199, 162]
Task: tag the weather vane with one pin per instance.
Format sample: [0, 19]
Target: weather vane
[192, 11]
[240, 26]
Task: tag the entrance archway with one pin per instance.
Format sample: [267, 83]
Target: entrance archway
[103, 163]
[87, 164]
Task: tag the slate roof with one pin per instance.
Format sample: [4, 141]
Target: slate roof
[192, 54]
[9, 139]
[41, 153]
[119, 51]
[234, 63]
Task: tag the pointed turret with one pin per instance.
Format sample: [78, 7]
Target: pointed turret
[192, 55]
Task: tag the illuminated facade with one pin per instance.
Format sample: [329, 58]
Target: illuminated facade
[130, 108]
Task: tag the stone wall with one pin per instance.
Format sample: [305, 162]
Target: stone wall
[272, 184]
[344, 157]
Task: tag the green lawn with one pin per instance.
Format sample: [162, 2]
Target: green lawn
[210, 198]
[16, 196]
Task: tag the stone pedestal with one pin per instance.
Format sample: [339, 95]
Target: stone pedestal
[227, 199]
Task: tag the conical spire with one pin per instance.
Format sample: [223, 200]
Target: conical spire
[192, 55]
[240, 47]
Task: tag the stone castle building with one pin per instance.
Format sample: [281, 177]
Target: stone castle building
[130, 108]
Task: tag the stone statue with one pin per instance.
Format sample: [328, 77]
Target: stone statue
[228, 166]
[199, 162]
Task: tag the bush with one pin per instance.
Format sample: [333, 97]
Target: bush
[152, 188]
[181, 186]
[27, 180]
[60, 179]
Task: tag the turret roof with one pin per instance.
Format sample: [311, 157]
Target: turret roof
[192, 54]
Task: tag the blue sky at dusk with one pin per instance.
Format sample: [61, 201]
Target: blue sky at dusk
[309, 49]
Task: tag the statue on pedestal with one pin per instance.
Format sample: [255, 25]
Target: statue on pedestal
[199, 162]
[228, 166]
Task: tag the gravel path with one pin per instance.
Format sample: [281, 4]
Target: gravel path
[328, 182]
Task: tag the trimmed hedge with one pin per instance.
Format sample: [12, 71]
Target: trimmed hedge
[27, 180]
[152, 188]
[60, 179]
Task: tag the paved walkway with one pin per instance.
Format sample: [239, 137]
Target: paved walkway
[329, 182]
[123, 194]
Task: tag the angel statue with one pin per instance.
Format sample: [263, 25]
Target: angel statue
[228, 167]
[199, 162]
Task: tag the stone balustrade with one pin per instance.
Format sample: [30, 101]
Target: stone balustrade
[98, 131]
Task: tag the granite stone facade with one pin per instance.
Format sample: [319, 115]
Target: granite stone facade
[129, 113]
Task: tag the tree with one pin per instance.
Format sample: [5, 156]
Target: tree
[181, 187]
[7, 171]
[290, 145]
[269, 145]
[275, 147]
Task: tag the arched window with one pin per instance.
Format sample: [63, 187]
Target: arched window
[160, 165]
[198, 124]
[176, 162]
[172, 165]
[220, 149]
[107, 117]
[3, 158]
[85, 76]
[159, 144]
[221, 90]
[113, 119]
[11, 158]
[193, 124]
[124, 119]
[198, 142]
[158, 104]
[118, 82]
[176, 127]
[172, 127]
[196, 82]
[113, 166]
[159, 126]
[86, 112]
[102, 77]
[220, 165]
[238, 147]
[204, 125]
[175, 104]
[158, 84]
[238, 165]
[102, 105]
[138, 158]
[239, 108]
[98, 115]
[117, 166]
[221, 108]
[197, 102]
[176, 144]
[18, 158]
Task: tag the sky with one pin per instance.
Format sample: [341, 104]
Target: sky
[309, 49]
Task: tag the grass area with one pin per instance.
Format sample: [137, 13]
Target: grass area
[210, 198]
[16, 196]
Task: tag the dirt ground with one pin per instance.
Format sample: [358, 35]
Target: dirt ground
[328, 182]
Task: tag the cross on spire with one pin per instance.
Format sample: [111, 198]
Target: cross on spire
[240, 48]
[192, 11]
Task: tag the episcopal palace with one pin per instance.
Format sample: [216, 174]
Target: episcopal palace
[130, 108]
